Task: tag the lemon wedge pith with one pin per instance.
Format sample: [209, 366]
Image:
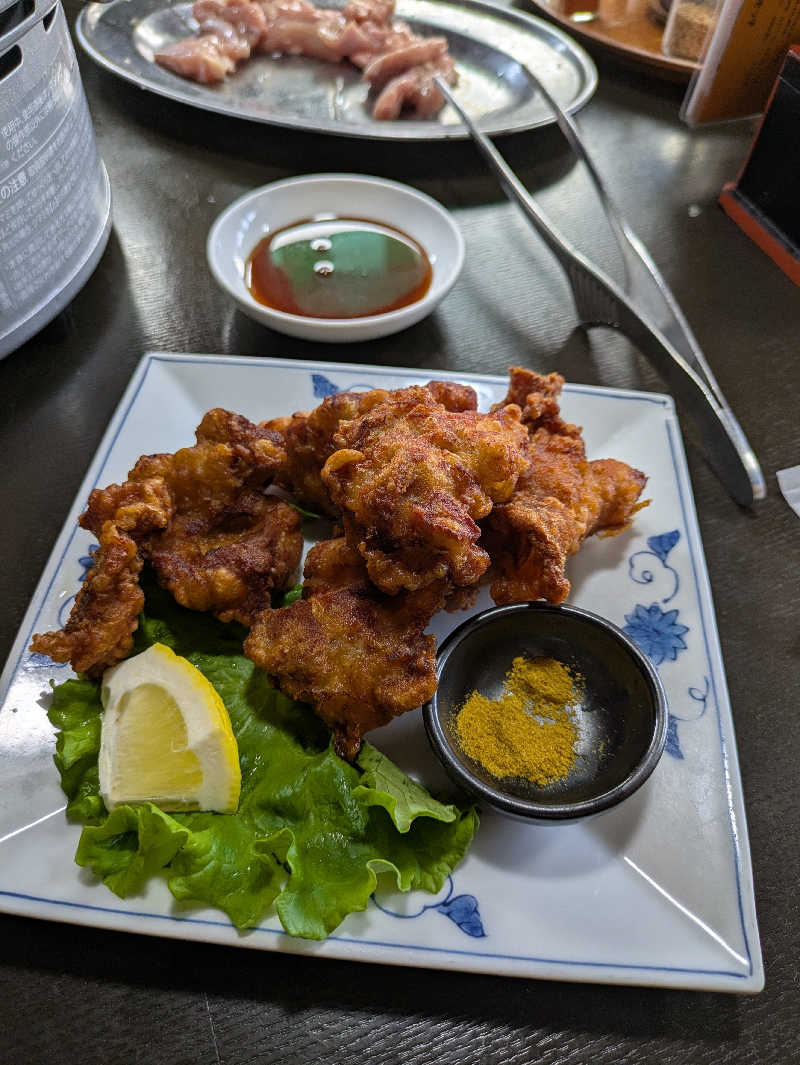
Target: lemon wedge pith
[166, 736]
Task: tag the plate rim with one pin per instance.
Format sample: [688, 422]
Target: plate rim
[350, 947]
[419, 131]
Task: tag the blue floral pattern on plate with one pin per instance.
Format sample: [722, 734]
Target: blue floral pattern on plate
[324, 387]
[658, 632]
[640, 568]
[462, 910]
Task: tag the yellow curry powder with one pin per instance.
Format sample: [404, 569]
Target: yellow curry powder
[529, 731]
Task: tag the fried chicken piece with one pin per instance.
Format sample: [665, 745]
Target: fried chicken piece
[228, 545]
[228, 559]
[104, 616]
[358, 657]
[136, 507]
[413, 479]
[231, 454]
[333, 564]
[561, 499]
[453, 396]
[201, 499]
[537, 397]
[308, 437]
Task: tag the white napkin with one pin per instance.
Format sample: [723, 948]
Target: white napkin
[789, 484]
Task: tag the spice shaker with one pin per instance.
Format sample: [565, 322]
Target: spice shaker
[690, 24]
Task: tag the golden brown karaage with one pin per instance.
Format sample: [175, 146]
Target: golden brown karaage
[412, 480]
[104, 617]
[560, 499]
[308, 437]
[357, 656]
[229, 559]
[201, 517]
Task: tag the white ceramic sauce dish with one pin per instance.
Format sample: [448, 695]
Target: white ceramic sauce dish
[263, 211]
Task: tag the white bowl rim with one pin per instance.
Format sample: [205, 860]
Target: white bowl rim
[340, 324]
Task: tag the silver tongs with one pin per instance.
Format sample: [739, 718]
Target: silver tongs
[646, 311]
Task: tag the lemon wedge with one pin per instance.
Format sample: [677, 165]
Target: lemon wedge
[166, 736]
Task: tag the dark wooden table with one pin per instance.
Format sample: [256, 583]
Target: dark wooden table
[72, 995]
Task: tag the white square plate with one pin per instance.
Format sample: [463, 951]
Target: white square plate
[656, 892]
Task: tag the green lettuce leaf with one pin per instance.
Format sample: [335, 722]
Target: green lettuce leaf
[185, 631]
[130, 846]
[384, 784]
[292, 595]
[312, 832]
[306, 513]
[76, 711]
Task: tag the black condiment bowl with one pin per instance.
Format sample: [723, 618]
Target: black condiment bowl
[622, 718]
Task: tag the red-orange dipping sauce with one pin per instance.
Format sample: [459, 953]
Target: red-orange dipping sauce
[332, 267]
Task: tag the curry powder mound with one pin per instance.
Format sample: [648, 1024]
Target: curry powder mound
[529, 731]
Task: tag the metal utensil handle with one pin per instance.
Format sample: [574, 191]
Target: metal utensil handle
[600, 299]
[645, 284]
